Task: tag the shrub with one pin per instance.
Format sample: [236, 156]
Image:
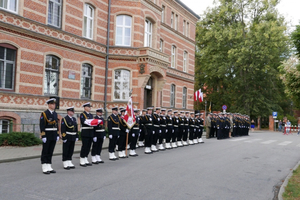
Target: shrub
[19, 139]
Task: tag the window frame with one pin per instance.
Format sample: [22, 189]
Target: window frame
[172, 95]
[7, 46]
[60, 16]
[121, 84]
[185, 61]
[82, 88]
[184, 97]
[123, 26]
[187, 29]
[184, 27]
[161, 45]
[52, 70]
[148, 35]
[176, 22]
[173, 57]
[1, 124]
[163, 13]
[85, 16]
[172, 19]
[8, 5]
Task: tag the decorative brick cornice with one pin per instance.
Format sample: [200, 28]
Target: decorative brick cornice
[178, 33]
[152, 4]
[180, 75]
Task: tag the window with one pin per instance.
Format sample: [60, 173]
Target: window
[185, 55]
[176, 22]
[173, 57]
[172, 20]
[184, 95]
[148, 34]
[123, 32]
[51, 75]
[7, 68]
[88, 21]
[163, 14]
[172, 96]
[187, 29]
[9, 5]
[86, 81]
[54, 13]
[122, 84]
[4, 126]
[161, 45]
[183, 27]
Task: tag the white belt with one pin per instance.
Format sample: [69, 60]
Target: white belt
[71, 133]
[175, 125]
[156, 125]
[197, 126]
[50, 129]
[149, 124]
[163, 125]
[136, 128]
[87, 128]
[186, 124]
[170, 124]
[201, 125]
[115, 128]
[100, 130]
[181, 124]
[192, 125]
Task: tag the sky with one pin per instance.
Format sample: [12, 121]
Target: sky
[289, 8]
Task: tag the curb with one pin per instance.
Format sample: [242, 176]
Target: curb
[282, 188]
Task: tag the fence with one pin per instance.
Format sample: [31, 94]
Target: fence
[288, 129]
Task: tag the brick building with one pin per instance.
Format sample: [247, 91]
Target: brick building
[59, 48]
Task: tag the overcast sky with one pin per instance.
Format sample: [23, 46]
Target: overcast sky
[289, 8]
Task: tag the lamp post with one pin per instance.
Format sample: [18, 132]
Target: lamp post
[205, 112]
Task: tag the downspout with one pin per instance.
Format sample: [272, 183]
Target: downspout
[107, 58]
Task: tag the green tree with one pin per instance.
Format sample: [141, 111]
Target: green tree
[240, 44]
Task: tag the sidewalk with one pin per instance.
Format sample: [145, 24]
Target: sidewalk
[10, 154]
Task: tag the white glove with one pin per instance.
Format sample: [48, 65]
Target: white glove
[166, 130]
[95, 139]
[133, 135]
[194, 130]
[76, 139]
[110, 136]
[153, 132]
[188, 129]
[173, 131]
[127, 130]
[64, 141]
[57, 138]
[140, 130]
[159, 131]
[104, 137]
[158, 119]
[44, 140]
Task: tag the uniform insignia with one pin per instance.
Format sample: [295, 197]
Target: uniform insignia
[62, 122]
[42, 117]
[64, 134]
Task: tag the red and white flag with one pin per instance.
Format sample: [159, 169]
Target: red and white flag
[196, 95]
[200, 96]
[129, 116]
[93, 122]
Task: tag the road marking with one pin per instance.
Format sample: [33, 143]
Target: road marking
[240, 139]
[298, 145]
[285, 143]
[254, 140]
[269, 141]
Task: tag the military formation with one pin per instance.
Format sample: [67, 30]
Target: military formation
[155, 129]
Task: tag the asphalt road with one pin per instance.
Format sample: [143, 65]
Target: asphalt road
[239, 168]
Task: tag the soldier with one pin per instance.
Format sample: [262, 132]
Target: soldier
[181, 129]
[49, 135]
[213, 125]
[123, 133]
[175, 128]
[69, 132]
[220, 126]
[87, 135]
[192, 129]
[197, 128]
[234, 125]
[149, 130]
[163, 128]
[201, 121]
[156, 125]
[100, 136]
[227, 126]
[170, 129]
[208, 125]
[142, 128]
[186, 128]
[135, 131]
[113, 132]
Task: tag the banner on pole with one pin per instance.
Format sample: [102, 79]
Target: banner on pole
[129, 116]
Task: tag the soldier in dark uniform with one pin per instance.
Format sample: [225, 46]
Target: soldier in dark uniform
[186, 128]
[163, 129]
[148, 121]
[181, 129]
[213, 125]
[100, 137]
[175, 121]
[87, 134]
[191, 128]
[49, 135]
[169, 130]
[227, 126]
[201, 122]
[197, 128]
[234, 124]
[220, 127]
[113, 132]
[69, 133]
[156, 126]
[142, 129]
[123, 133]
[135, 131]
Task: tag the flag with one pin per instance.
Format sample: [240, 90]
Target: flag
[93, 122]
[200, 95]
[129, 114]
[209, 107]
[196, 95]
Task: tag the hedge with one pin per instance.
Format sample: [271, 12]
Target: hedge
[22, 139]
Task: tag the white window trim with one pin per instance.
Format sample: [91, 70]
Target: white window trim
[86, 6]
[8, 4]
[187, 29]
[163, 14]
[56, 71]
[184, 97]
[1, 122]
[123, 26]
[148, 33]
[184, 27]
[185, 59]
[172, 96]
[60, 16]
[126, 98]
[172, 20]
[176, 22]
[173, 57]
[4, 70]
[91, 78]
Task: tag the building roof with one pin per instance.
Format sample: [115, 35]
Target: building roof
[187, 8]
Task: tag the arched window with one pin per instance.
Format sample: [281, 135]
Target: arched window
[4, 126]
[9, 5]
[54, 13]
[88, 21]
[185, 57]
[172, 96]
[173, 56]
[86, 81]
[123, 30]
[121, 85]
[184, 97]
[148, 33]
[51, 80]
[7, 66]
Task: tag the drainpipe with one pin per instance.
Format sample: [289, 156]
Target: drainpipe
[107, 58]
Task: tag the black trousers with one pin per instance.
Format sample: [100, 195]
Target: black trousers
[175, 134]
[112, 144]
[212, 132]
[142, 134]
[220, 134]
[97, 146]
[68, 150]
[133, 140]
[233, 134]
[162, 135]
[155, 136]
[200, 132]
[169, 134]
[185, 134]
[47, 151]
[148, 137]
[86, 146]
[180, 133]
[192, 133]
[121, 142]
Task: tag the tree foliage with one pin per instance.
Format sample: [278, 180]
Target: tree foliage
[240, 44]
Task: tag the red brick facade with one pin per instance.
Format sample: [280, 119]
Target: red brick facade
[28, 30]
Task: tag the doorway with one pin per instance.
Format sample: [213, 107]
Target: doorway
[148, 93]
